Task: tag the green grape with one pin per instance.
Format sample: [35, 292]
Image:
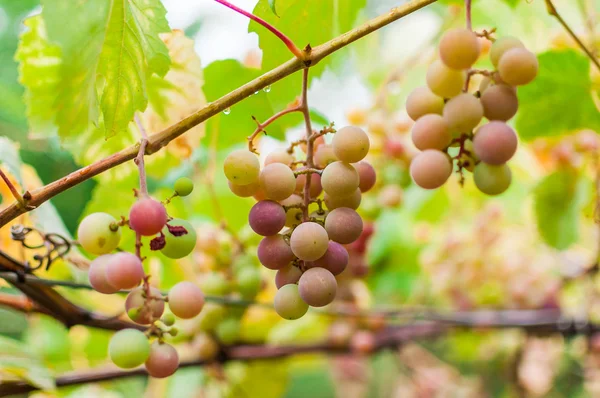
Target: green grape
[350, 144]
[421, 101]
[502, 45]
[288, 303]
[518, 66]
[309, 241]
[205, 346]
[339, 179]
[215, 284]
[277, 181]
[431, 169]
[463, 113]
[444, 81]
[168, 319]
[244, 191]
[249, 282]
[431, 132]
[139, 311]
[98, 233]
[228, 331]
[128, 348]
[492, 179]
[459, 48]
[499, 102]
[182, 245]
[242, 167]
[184, 186]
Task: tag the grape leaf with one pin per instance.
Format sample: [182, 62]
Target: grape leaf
[559, 100]
[272, 5]
[18, 363]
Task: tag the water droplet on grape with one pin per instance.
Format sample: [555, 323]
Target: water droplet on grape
[267, 89]
[227, 111]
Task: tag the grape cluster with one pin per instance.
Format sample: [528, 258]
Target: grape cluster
[446, 115]
[306, 212]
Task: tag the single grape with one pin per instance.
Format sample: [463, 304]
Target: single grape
[97, 275]
[431, 169]
[309, 241]
[128, 348]
[363, 342]
[147, 216]
[334, 260]
[249, 282]
[499, 102]
[141, 313]
[495, 143]
[502, 45]
[242, 167]
[286, 275]
[182, 245]
[443, 81]
[492, 179]
[490, 81]
[274, 252]
[244, 191]
[431, 132]
[352, 201]
[343, 225]
[324, 155]
[317, 287]
[211, 315]
[518, 66]
[168, 319]
[163, 360]
[277, 181]
[390, 196]
[185, 300]
[124, 271]
[214, 283]
[350, 144]
[98, 233]
[266, 217]
[421, 101]
[339, 179]
[293, 216]
[459, 48]
[184, 186]
[315, 184]
[228, 331]
[366, 175]
[205, 347]
[288, 303]
[463, 113]
[279, 156]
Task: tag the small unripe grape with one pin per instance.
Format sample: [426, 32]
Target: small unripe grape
[214, 283]
[339, 179]
[502, 45]
[363, 342]
[277, 181]
[309, 241]
[495, 143]
[421, 101]
[334, 260]
[492, 179]
[98, 233]
[124, 270]
[241, 167]
[431, 169]
[431, 132]
[315, 184]
[144, 314]
[518, 66]
[366, 175]
[463, 113]
[499, 102]
[182, 245]
[324, 155]
[274, 252]
[288, 303]
[128, 348]
[317, 287]
[184, 186]
[163, 360]
[350, 144]
[168, 319]
[351, 201]
[266, 217]
[293, 216]
[228, 331]
[279, 156]
[343, 225]
[444, 81]
[459, 48]
[286, 275]
[186, 300]
[249, 282]
[97, 275]
[147, 216]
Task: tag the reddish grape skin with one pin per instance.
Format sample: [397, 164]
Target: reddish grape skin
[343, 225]
[317, 287]
[186, 300]
[163, 360]
[155, 308]
[266, 217]
[97, 275]
[334, 260]
[495, 143]
[499, 102]
[147, 216]
[431, 132]
[286, 275]
[309, 241]
[421, 101]
[459, 48]
[431, 169]
[274, 252]
[366, 175]
[124, 271]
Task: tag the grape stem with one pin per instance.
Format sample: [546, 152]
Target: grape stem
[309, 141]
[13, 189]
[261, 126]
[468, 14]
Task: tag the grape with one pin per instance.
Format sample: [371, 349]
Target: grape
[315, 184]
[97, 275]
[444, 81]
[352, 201]
[324, 155]
[163, 360]
[215, 284]
[495, 143]
[391, 196]
[185, 300]
[293, 215]
[211, 316]
[277, 181]
[182, 245]
[350, 144]
[518, 66]
[431, 132]
[128, 348]
[431, 169]
[267, 217]
[492, 179]
[98, 233]
[274, 252]
[279, 156]
[334, 260]
[502, 45]
[363, 342]
[463, 113]
[147, 216]
[205, 346]
[317, 287]
[249, 282]
[499, 102]
[309, 241]
[288, 303]
[168, 319]
[343, 225]
[228, 331]
[366, 175]
[286, 275]
[244, 191]
[421, 101]
[241, 167]
[339, 179]
[136, 302]
[459, 48]
[124, 271]
[184, 186]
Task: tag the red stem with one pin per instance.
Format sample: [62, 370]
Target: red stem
[468, 10]
[261, 126]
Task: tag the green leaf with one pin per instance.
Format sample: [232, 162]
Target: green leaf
[559, 100]
[272, 5]
[10, 159]
[18, 363]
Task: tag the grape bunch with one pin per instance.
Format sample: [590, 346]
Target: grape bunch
[447, 115]
[306, 212]
[113, 271]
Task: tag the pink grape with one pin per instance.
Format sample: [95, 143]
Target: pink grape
[317, 287]
[502, 45]
[163, 360]
[431, 169]
[431, 132]
[309, 241]
[267, 217]
[366, 175]
[97, 275]
[499, 102]
[463, 113]
[124, 271]
[459, 48]
[495, 143]
[286, 275]
[186, 300]
[274, 252]
[279, 156]
[343, 225]
[324, 155]
[277, 181]
[142, 313]
[421, 101]
[335, 259]
[315, 184]
[147, 216]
